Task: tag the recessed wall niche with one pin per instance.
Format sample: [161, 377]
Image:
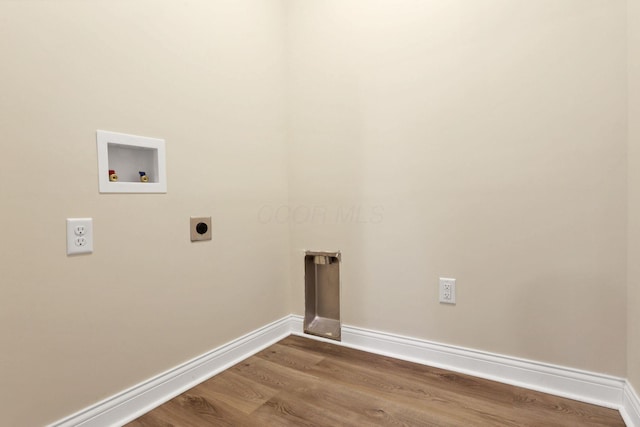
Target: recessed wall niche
[130, 163]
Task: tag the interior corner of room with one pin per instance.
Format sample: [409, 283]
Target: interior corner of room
[481, 152]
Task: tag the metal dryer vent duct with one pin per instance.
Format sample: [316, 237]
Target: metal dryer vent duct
[322, 294]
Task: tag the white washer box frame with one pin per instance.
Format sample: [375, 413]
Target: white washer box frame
[128, 154]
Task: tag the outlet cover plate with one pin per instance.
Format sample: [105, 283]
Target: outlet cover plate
[79, 236]
[200, 228]
[447, 290]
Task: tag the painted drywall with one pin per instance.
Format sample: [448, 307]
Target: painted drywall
[479, 140]
[484, 141]
[207, 76]
[633, 261]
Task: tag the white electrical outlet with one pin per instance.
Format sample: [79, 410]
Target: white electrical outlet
[80, 230]
[79, 236]
[447, 290]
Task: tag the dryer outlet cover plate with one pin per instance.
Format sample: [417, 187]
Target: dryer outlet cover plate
[200, 228]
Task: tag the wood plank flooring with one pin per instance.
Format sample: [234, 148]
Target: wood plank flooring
[303, 382]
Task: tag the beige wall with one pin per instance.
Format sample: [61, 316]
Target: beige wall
[484, 141]
[479, 140]
[208, 77]
[633, 308]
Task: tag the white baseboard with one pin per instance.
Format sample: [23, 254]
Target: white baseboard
[589, 387]
[603, 390]
[630, 409]
[130, 404]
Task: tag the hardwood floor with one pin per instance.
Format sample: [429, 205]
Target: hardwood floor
[303, 382]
